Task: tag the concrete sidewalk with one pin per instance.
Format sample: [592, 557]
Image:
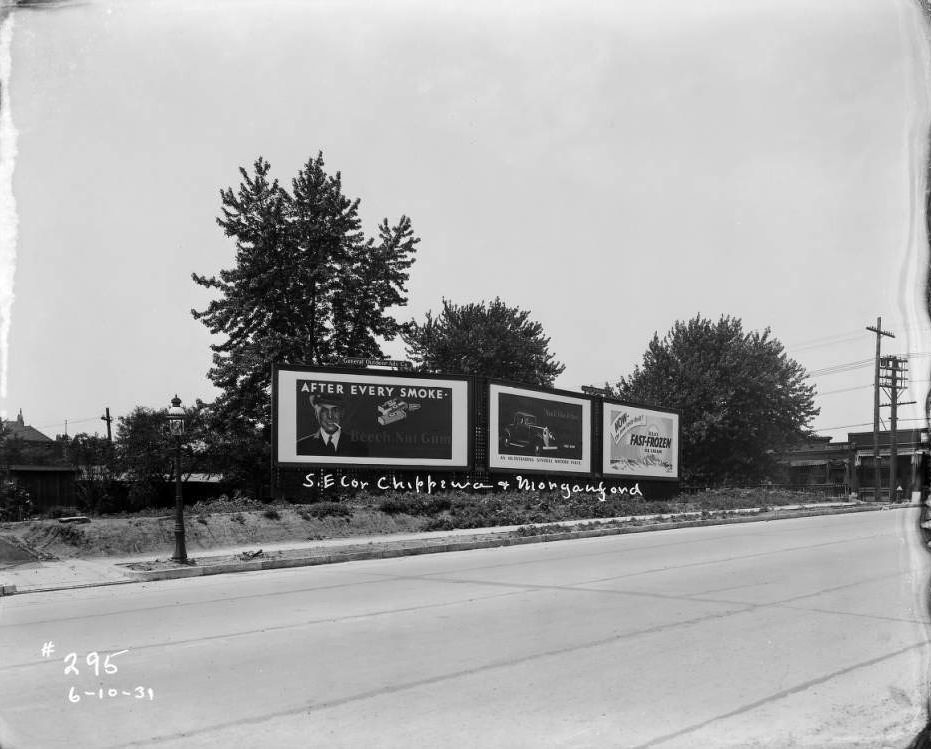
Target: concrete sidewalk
[35, 576]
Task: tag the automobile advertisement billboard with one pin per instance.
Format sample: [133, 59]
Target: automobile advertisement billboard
[327, 417]
[639, 442]
[536, 430]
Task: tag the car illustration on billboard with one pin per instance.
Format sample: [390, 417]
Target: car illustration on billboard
[525, 433]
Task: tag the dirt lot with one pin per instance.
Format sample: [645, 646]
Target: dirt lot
[123, 536]
[226, 523]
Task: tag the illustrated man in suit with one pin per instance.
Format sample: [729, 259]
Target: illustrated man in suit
[329, 439]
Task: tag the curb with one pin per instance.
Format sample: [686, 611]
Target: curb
[508, 538]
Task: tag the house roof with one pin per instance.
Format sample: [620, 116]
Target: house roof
[43, 469]
[18, 429]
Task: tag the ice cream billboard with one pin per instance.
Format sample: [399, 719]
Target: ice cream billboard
[538, 430]
[327, 417]
[639, 442]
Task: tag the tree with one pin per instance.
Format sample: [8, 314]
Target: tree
[740, 397]
[98, 490]
[307, 286]
[15, 502]
[492, 340]
[145, 453]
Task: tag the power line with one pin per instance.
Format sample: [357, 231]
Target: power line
[68, 421]
[838, 368]
[827, 341]
[833, 339]
[850, 366]
[863, 424]
[845, 390]
[859, 387]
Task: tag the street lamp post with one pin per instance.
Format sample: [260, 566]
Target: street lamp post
[176, 429]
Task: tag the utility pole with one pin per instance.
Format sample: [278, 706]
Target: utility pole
[107, 418]
[877, 475]
[895, 375]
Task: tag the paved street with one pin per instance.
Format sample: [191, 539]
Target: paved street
[804, 632]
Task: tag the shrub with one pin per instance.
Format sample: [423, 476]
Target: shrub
[413, 505]
[398, 506]
[15, 502]
[236, 502]
[238, 518]
[272, 514]
[101, 496]
[70, 534]
[440, 524]
[326, 509]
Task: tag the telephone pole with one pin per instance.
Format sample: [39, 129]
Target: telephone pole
[107, 418]
[894, 379]
[877, 475]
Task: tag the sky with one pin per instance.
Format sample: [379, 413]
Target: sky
[611, 167]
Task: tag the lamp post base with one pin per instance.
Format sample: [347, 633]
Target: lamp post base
[180, 554]
[180, 550]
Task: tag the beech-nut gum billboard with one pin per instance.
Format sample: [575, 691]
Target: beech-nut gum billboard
[537, 430]
[639, 442]
[335, 417]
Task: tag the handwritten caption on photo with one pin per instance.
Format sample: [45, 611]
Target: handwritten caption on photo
[428, 485]
[96, 666]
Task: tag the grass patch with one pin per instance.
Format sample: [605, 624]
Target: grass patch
[542, 530]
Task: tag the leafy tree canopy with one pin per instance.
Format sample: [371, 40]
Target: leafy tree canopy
[307, 286]
[144, 453]
[493, 340]
[739, 395]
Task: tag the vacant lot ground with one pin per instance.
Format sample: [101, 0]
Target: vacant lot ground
[232, 522]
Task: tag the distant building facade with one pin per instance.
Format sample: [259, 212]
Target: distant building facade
[35, 462]
[839, 468]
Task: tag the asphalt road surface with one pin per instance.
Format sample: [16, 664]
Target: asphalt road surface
[805, 632]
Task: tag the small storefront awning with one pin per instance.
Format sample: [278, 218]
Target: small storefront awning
[914, 453]
[884, 452]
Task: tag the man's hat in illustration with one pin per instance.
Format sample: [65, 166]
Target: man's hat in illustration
[325, 399]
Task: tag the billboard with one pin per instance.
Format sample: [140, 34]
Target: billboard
[537, 430]
[330, 417]
[639, 442]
